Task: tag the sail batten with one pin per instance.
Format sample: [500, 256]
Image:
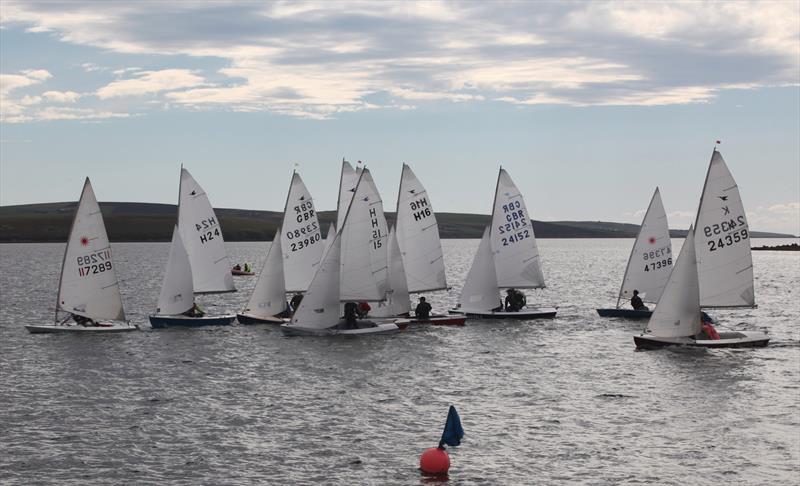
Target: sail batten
[88, 284]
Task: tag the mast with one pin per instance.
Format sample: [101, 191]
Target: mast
[86, 184]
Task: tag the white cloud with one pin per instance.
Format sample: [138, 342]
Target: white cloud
[149, 82]
[316, 59]
[61, 96]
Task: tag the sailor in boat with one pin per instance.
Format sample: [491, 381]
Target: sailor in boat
[237, 267]
[83, 321]
[247, 267]
[195, 311]
[707, 328]
[515, 300]
[363, 309]
[350, 315]
[423, 310]
[295, 302]
[636, 302]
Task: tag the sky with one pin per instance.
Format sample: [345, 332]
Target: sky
[588, 105]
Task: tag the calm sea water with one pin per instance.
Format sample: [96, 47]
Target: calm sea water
[558, 401]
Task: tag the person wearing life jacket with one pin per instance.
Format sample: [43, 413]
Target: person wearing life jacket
[247, 267]
[515, 300]
[707, 326]
[363, 309]
[237, 267]
[423, 310]
[350, 314]
[636, 302]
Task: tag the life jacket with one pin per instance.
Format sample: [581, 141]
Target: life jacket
[709, 330]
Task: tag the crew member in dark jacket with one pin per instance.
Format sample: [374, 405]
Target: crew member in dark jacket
[423, 310]
[636, 302]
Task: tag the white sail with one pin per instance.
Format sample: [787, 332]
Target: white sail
[678, 311]
[202, 235]
[88, 285]
[301, 237]
[347, 187]
[723, 241]
[480, 292]
[650, 262]
[516, 256]
[176, 289]
[319, 308]
[269, 295]
[364, 273]
[397, 299]
[418, 236]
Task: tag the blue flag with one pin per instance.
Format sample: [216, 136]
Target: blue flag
[453, 432]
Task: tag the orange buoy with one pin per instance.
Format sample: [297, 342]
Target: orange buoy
[434, 461]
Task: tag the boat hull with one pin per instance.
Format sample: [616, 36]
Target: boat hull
[250, 319]
[625, 313]
[736, 339]
[528, 313]
[368, 328]
[104, 328]
[240, 273]
[160, 322]
[434, 320]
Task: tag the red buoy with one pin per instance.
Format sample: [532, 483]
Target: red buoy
[434, 461]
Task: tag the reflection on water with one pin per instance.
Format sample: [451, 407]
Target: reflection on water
[558, 401]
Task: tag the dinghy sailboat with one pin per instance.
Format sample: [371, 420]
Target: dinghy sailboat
[200, 239]
[334, 281]
[507, 257]
[649, 264]
[676, 319]
[419, 244]
[268, 301]
[88, 289]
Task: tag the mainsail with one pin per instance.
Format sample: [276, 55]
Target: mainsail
[364, 272]
[301, 237]
[202, 235]
[513, 243]
[650, 262]
[269, 295]
[480, 292]
[678, 311]
[724, 260]
[88, 285]
[176, 295]
[418, 236]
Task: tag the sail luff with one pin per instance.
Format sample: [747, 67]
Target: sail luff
[66, 248]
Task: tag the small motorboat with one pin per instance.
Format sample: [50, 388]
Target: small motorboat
[241, 273]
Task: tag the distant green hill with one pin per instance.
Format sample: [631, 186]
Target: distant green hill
[50, 222]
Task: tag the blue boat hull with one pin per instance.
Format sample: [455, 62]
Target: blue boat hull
[160, 322]
[625, 313]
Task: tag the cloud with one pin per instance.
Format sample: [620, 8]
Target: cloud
[149, 82]
[315, 59]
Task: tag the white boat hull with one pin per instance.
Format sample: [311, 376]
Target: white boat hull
[104, 327]
[365, 328]
[729, 339]
[527, 313]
